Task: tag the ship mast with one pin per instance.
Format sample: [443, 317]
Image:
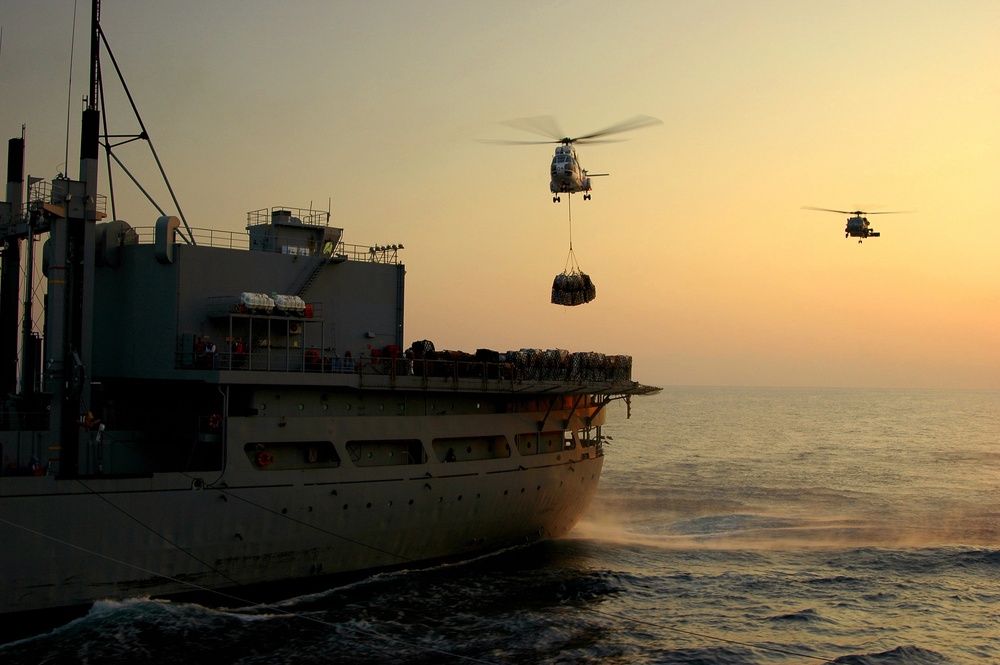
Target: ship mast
[72, 212]
[10, 275]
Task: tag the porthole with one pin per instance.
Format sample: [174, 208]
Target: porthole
[459, 497]
[381, 407]
[388, 504]
[301, 406]
[411, 502]
[348, 407]
[326, 407]
[345, 506]
[368, 505]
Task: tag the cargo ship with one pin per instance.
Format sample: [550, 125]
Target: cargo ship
[188, 410]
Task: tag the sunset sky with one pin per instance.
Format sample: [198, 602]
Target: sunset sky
[708, 270]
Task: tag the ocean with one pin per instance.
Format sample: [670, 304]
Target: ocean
[732, 525]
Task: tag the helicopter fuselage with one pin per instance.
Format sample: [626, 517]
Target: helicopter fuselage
[567, 176]
[858, 227]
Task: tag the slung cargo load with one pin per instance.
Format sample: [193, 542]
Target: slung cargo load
[573, 288]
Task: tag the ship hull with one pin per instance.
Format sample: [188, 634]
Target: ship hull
[71, 542]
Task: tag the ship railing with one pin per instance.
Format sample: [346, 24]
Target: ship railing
[40, 192]
[301, 215]
[389, 372]
[469, 368]
[145, 235]
[241, 240]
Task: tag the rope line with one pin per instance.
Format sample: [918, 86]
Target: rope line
[571, 257]
[402, 558]
[156, 533]
[243, 601]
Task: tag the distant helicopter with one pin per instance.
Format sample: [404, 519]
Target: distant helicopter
[567, 176]
[858, 226]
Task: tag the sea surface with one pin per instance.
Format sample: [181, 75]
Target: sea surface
[732, 525]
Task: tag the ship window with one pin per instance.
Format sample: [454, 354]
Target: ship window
[386, 452]
[292, 455]
[464, 448]
[532, 443]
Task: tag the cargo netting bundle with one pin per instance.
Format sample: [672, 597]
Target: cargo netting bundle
[561, 365]
[573, 288]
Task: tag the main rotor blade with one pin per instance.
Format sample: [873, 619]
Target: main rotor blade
[545, 125]
[843, 212]
[506, 142]
[859, 212]
[638, 122]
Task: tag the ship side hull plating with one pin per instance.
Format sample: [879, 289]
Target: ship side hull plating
[71, 542]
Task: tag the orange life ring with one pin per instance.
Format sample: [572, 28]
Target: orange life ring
[264, 458]
[214, 421]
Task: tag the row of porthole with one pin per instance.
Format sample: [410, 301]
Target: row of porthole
[468, 450]
[441, 498]
[348, 407]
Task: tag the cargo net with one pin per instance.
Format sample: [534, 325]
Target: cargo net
[560, 365]
[572, 286]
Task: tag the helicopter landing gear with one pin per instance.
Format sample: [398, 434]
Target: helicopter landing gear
[556, 199]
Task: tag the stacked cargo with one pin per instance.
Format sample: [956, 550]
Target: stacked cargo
[560, 365]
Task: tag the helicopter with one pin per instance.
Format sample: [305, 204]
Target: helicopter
[858, 225]
[567, 176]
